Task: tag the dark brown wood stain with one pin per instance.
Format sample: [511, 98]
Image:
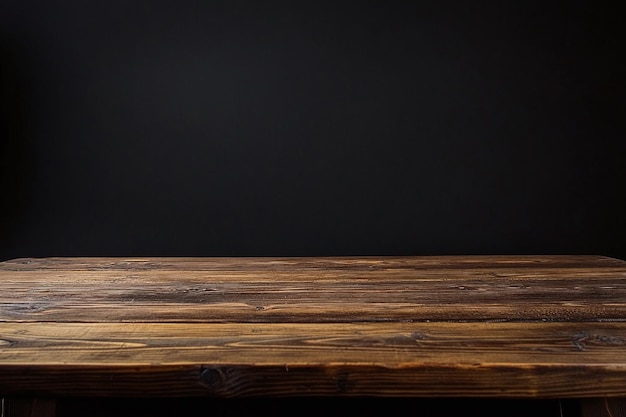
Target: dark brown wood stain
[522, 332]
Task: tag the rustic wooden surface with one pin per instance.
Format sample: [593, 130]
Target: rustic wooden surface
[473, 326]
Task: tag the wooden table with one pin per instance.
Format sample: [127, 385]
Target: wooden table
[494, 327]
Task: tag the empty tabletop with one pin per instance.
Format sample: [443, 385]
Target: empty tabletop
[422, 326]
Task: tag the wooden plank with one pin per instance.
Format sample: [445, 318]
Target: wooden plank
[533, 360]
[478, 326]
[309, 290]
[258, 264]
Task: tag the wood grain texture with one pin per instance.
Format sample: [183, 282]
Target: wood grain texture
[314, 289]
[502, 326]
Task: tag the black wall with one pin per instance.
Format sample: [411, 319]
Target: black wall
[311, 128]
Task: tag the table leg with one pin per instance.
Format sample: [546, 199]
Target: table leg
[603, 407]
[28, 407]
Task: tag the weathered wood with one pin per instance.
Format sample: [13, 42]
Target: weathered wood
[290, 264]
[489, 327]
[314, 289]
[391, 359]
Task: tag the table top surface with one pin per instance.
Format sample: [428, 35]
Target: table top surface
[435, 326]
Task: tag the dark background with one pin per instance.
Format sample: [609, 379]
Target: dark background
[210, 128]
